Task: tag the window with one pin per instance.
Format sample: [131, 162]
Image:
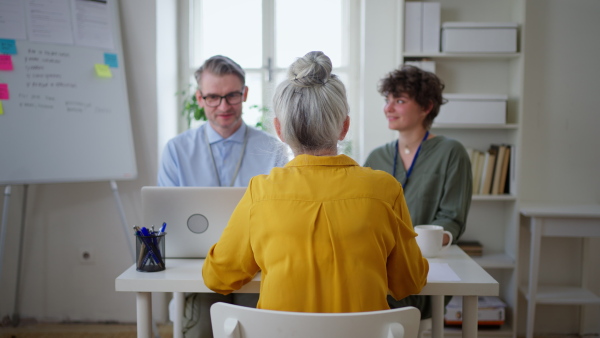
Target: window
[265, 37]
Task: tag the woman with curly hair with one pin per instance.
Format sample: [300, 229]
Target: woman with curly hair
[435, 171]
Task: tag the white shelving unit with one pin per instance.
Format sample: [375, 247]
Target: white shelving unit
[558, 220]
[493, 219]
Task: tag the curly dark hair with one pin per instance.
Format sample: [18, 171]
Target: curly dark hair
[422, 86]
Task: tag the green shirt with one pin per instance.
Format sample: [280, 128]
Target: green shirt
[439, 188]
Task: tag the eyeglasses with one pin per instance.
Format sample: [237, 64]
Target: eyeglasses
[215, 100]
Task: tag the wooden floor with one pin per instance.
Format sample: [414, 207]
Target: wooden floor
[118, 330]
[77, 330]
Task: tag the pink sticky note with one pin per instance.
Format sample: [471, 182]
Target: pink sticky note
[6, 62]
[4, 91]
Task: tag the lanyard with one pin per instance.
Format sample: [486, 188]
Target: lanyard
[239, 164]
[412, 164]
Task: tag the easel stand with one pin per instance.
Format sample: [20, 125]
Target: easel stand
[127, 232]
[15, 320]
[7, 193]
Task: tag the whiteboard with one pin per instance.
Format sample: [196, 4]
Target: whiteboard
[62, 121]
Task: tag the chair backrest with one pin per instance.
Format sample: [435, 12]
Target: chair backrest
[234, 321]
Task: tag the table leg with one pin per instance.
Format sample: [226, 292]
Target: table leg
[534, 266]
[437, 316]
[583, 309]
[144, 314]
[469, 323]
[179, 298]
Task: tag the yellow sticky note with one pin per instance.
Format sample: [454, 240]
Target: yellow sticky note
[103, 70]
[1, 109]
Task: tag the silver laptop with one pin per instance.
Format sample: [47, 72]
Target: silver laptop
[195, 216]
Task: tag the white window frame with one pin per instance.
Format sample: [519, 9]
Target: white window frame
[351, 42]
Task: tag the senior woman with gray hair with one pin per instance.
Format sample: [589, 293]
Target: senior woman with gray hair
[327, 234]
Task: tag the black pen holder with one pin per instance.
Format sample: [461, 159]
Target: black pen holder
[149, 252]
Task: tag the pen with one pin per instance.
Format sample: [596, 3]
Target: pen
[144, 254]
[163, 228]
[151, 246]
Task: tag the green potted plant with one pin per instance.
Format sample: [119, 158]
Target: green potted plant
[190, 108]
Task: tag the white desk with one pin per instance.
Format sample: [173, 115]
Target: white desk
[185, 275]
[553, 220]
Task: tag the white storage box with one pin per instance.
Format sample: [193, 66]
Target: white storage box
[479, 37]
[422, 27]
[490, 311]
[473, 109]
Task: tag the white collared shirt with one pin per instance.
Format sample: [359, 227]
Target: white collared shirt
[186, 159]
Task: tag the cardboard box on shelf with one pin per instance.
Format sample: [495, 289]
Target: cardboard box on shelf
[490, 312]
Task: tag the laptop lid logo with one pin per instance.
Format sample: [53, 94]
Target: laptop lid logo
[197, 223]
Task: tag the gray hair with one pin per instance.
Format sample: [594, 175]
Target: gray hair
[220, 65]
[311, 105]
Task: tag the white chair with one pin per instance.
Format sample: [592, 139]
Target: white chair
[425, 326]
[233, 321]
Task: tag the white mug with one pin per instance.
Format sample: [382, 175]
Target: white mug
[430, 239]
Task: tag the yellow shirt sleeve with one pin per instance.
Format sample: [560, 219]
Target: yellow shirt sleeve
[230, 262]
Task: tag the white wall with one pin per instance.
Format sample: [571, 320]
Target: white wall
[167, 41]
[379, 55]
[560, 155]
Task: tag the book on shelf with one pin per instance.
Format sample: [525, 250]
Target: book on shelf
[502, 189]
[484, 165]
[471, 248]
[488, 171]
[477, 169]
[493, 170]
[496, 190]
[511, 182]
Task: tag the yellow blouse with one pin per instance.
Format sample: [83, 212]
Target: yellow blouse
[328, 236]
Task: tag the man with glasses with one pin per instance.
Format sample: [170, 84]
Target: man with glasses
[224, 152]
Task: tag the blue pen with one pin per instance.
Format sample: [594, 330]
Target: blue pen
[151, 246]
[160, 233]
[147, 251]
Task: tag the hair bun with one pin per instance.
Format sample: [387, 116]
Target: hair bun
[314, 68]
